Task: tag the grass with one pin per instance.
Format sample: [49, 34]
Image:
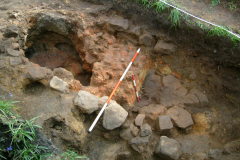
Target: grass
[71, 155]
[215, 2]
[175, 18]
[231, 5]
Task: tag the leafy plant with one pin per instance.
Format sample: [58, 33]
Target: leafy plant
[175, 17]
[23, 131]
[160, 6]
[201, 25]
[215, 2]
[71, 155]
[218, 31]
[7, 106]
[144, 2]
[231, 6]
[1, 155]
[31, 152]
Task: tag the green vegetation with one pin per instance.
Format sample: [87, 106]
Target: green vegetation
[231, 5]
[175, 17]
[70, 155]
[215, 2]
[22, 134]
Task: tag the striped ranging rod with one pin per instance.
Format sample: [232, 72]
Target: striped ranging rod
[135, 86]
[110, 97]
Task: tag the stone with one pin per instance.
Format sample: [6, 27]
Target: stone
[201, 97]
[139, 120]
[134, 131]
[190, 98]
[59, 84]
[63, 74]
[164, 48]
[140, 144]
[118, 24]
[126, 124]
[199, 156]
[11, 31]
[87, 102]
[168, 148]
[126, 134]
[15, 46]
[153, 82]
[123, 155]
[146, 39]
[39, 73]
[15, 61]
[171, 82]
[192, 76]
[13, 53]
[181, 117]
[231, 147]
[152, 111]
[145, 130]
[164, 124]
[135, 30]
[215, 154]
[114, 116]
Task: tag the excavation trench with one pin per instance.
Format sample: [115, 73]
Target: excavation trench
[176, 71]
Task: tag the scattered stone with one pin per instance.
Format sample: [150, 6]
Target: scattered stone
[39, 73]
[123, 155]
[140, 144]
[164, 48]
[13, 52]
[201, 97]
[153, 82]
[146, 130]
[232, 147]
[152, 111]
[192, 76]
[139, 120]
[2, 48]
[11, 31]
[87, 102]
[15, 46]
[136, 30]
[171, 82]
[118, 24]
[59, 84]
[134, 131]
[214, 154]
[15, 61]
[126, 133]
[114, 116]
[164, 124]
[146, 39]
[199, 156]
[180, 117]
[126, 124]
[63, 74]
[168, 148]
[190, 98]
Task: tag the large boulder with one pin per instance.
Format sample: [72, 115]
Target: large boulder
[146, 39]
[181, 117]
[168, 148]
[114, 116]
[59, 84]
[87, 102]
[118, 24]
[63, 74]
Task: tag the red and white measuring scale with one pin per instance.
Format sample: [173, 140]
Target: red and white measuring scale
[135, 86]
[110, 97]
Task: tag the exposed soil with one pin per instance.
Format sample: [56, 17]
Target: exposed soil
[80, 37]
